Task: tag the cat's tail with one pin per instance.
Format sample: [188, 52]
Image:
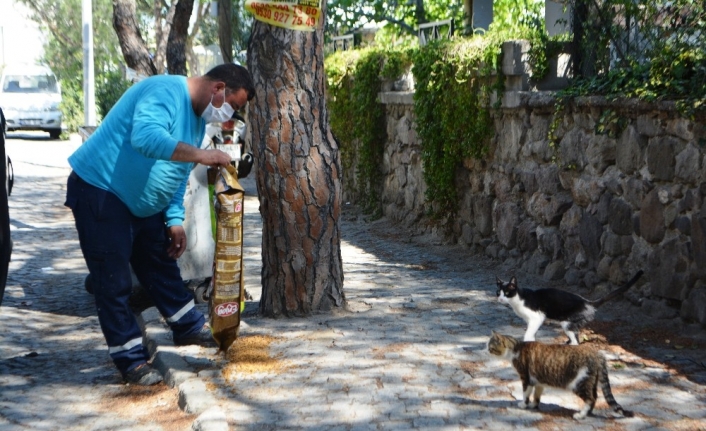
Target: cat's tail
[608, 394]
[619, 291]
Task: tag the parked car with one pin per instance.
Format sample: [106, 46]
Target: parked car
[5, 240]
[30, 96]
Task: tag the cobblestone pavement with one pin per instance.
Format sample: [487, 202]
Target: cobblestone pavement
[407, 353]
[55, 372]
[410, 350]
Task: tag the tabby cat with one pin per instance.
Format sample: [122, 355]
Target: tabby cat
[571, 310]
[579, 369]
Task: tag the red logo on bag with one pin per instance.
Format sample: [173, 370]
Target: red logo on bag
[226, 309]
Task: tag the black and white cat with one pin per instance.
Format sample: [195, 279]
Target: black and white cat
[572, 311]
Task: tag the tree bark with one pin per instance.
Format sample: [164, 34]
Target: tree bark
[225, 29]
[419, 12]
[161, 32]
[177, 42]
[298, 173]
[132, 45]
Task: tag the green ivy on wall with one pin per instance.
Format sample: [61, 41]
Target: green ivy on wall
[354, 81]
[454, 81]
[453, 85]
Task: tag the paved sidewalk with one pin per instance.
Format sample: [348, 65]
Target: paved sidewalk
[55, 372]
[408, 353]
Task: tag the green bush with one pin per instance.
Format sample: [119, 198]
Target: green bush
[109, 88]
[455, 81]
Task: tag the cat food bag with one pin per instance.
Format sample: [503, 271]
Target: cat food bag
[227, 291]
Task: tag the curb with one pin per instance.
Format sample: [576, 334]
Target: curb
[194, 398]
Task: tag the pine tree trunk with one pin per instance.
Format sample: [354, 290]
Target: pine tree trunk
[132, 45]
[225, 30]
[176, 45]
[298, 173]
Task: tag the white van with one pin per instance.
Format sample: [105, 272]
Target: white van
[30, 97]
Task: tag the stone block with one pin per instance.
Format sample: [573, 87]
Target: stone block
[652, 226]
[549, 241]
[681, 128]
[573, 252]
[688, 164]
[601, 208]
[634, 191]
[555, 271]
[527, 236]
[569, 225]
[572, 149]
[620, 217]
[528, 178]
[506, 218]
[600, 153]
[648, 125]
[694, 306]
[590, 279]
[698, 241]
[536, 263]
[603, 267]
[517, 83]
[573, 277]
[482, 214]
[212, 419]
[629, 151]
[590, 231]
[548, 178]
[661, 270]
[397, 98]
[536, 204]
[515, 56]
[658, 309]
[559, 73]
[194, 397]
[558, 205]
[587, 189]
[661, 152]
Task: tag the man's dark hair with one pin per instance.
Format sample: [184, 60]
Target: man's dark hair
[235, 76]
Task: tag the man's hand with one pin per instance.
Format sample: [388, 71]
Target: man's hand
[177, 245]
[215, 158]
[187, 153]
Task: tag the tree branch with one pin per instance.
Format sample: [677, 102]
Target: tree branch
[46, 20]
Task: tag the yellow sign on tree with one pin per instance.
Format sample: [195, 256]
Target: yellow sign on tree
[292, 14]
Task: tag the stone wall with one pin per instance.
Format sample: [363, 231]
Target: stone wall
[591, 210]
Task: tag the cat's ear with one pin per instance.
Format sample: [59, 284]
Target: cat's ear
[498, 280]
[513, 283]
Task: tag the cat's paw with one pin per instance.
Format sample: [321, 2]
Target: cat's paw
[522, 405]
[533, 405]
[579, 416]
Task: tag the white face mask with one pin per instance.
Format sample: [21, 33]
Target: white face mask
[218, 115]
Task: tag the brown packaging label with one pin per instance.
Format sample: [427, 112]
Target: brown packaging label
[228, 292]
